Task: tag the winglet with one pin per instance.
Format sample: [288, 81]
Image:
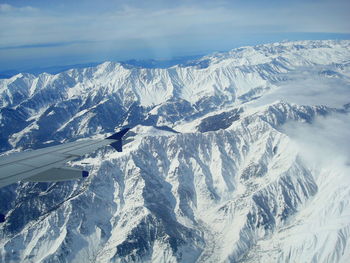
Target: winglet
[118, 137]
[118, 146]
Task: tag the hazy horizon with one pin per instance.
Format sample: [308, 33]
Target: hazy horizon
[39, 34]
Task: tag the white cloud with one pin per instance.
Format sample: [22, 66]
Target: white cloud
[191, 25]
[312, 87]
[325, 143]
[6, 8]
[182, 22]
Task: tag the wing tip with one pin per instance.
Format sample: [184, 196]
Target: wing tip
[2, 218]
[119, 135]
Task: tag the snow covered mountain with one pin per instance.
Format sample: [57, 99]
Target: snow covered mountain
[235, 157]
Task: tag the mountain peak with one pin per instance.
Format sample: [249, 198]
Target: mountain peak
[231, 157]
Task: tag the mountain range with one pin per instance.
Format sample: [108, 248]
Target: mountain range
[238, 156]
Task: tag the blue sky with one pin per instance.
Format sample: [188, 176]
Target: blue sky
[42, 33]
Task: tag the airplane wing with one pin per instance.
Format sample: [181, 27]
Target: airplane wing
[47, 164]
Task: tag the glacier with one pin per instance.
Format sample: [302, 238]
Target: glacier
[239, 156]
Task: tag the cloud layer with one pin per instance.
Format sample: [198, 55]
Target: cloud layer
[116, 29]
[324, 85]
[324, 144]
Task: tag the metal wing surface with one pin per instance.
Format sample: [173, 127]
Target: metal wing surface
[47, 164]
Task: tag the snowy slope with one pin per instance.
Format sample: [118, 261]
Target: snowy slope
[100, 98]
[236, 157]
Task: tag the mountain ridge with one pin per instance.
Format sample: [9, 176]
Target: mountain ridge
[219, 166]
